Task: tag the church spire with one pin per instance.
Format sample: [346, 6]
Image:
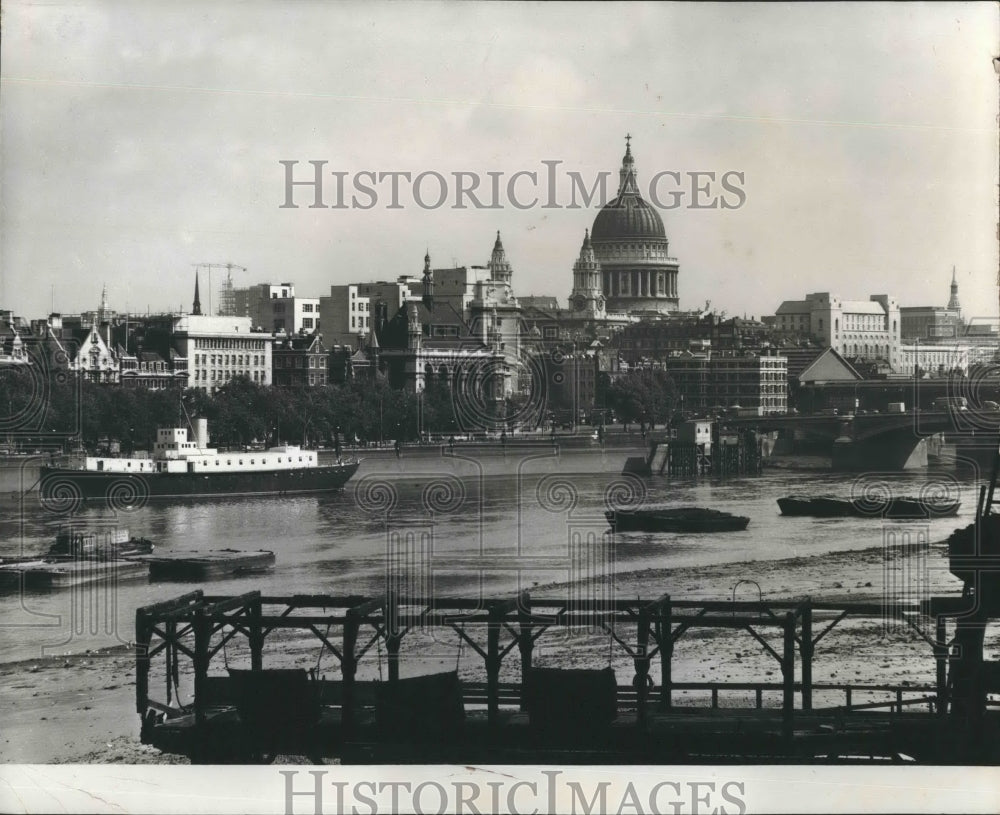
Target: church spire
[953, 304]
[499, 266]
[428, 298]
[196, 309]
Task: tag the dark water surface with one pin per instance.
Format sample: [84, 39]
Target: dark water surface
[447, 525]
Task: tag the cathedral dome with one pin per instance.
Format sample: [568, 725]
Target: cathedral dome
[633, 272]
[625, 218]
[628, 217]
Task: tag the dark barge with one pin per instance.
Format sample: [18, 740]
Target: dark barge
[675, 519]
[901, 507]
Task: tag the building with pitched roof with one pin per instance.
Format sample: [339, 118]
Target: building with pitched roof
[299, 361]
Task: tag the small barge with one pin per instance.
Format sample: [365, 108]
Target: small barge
[78, 557]
[61, 574]
[196, 565]
[897, 507]
[675, 519]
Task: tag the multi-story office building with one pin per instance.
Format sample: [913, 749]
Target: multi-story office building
[856, 329]
[755, 383]
[221, 348]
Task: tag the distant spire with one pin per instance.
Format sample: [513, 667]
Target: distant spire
[428, 298]
[627, 181]
[953, 304]
[499, 266]
[197, 299]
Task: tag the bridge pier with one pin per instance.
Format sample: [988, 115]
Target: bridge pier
[889, 451]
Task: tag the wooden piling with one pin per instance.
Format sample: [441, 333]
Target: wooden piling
[806, 648]
[256, 636]
[393, 634]
[666, 638]
[642, 664]
[202, 625]
[788, 676]
[348, 669]
[493, 664]
[142, 661]
[941, 657]
[525, 642]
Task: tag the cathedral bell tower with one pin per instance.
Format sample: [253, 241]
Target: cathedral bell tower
[586, 299]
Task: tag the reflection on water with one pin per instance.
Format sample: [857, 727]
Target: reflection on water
[444, 533]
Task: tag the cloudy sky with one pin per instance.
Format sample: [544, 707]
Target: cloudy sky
[142, 138]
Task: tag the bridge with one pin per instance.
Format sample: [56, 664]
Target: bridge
[892, 441]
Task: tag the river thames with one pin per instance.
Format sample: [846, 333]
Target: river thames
[467, 524]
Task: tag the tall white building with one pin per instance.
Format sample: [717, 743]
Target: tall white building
[221, 348]
[856, 329]
[274, 307]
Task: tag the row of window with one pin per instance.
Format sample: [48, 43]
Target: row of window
[299, 362]
[229, 359]
[229, 344]
[229, 461]
[865, 349]
[224, 376]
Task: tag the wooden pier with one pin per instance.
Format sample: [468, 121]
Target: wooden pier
[551, 715]
[729, 454]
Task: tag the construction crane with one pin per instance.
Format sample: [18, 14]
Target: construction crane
[227, 301]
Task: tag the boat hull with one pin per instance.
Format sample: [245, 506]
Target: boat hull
[901, 507]
[49, 574]
[659, 521]
[61, 488]
[209, 564]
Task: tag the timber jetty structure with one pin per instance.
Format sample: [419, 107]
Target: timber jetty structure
[189, 647]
